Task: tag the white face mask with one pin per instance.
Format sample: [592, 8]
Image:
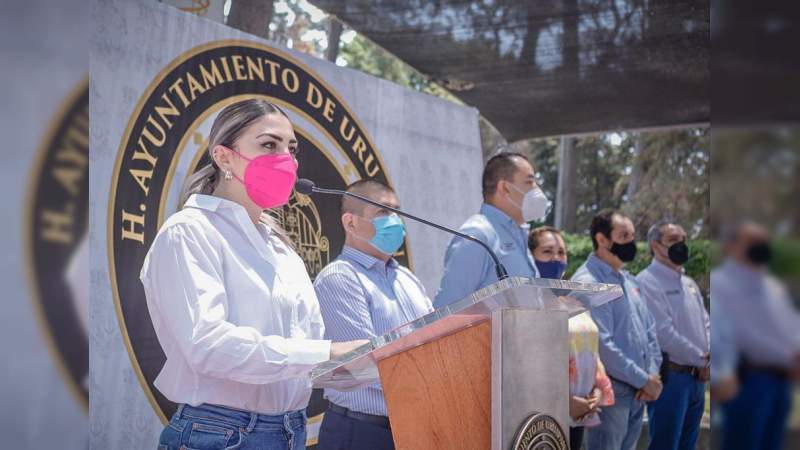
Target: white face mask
[534, 204]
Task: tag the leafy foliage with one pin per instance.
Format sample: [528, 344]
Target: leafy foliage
[672, 168]
[674, 180]
[366, 56]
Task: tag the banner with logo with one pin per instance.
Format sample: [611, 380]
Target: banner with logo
[158, 77]
[44, 117]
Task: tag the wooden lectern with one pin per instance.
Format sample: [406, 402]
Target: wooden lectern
[487, 372]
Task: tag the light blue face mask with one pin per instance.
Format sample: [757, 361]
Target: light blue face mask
[389, 234]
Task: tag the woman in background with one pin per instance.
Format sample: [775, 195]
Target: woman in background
[589, 386]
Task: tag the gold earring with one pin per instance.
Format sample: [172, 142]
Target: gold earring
[228, 175]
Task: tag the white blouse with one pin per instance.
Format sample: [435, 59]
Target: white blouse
[234, 310]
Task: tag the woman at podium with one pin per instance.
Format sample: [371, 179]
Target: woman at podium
[230, 300]
[589, 386]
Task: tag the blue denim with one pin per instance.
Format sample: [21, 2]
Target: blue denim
[756, 418]
[209, 427]
[621, 423]
[674, 419]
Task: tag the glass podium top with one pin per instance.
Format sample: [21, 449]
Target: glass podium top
[359, 367]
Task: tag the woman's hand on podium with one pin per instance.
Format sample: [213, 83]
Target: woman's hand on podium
[340, 348]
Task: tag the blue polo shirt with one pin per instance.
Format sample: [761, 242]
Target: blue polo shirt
[468, 267]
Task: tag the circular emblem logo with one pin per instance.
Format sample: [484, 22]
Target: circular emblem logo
[56, 224]
[540, 432]
[165, 141]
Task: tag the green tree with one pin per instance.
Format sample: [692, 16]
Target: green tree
[364, 55]
[673, 181]
[672, 169]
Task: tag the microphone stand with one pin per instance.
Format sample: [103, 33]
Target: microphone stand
[499, 269]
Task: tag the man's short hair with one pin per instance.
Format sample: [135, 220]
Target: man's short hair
[501, 166]
[731, 231]
[655, 233]
[365, 188]
[602, 223]
[536, 234]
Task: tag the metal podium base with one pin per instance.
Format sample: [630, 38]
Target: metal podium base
[528, 347]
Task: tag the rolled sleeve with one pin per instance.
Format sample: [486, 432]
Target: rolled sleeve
[307, 352]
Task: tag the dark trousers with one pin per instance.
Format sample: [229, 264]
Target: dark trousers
[344, 433]
[575, 438]
[756, 418]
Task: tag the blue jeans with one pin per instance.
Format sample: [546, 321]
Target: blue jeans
[621, 423]
[756, 418]
[675, 417]
[209, 427]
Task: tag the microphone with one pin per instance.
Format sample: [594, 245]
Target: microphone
[307, 187]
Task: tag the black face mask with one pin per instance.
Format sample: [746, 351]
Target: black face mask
[759, 253]
[678, 253]
[625, 252]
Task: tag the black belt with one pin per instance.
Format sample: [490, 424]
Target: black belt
[381, 421]
[746, 368]
[691, 370]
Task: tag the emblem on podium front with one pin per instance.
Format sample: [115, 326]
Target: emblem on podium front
[540, 432]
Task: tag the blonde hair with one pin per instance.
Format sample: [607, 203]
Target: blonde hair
[227, 128]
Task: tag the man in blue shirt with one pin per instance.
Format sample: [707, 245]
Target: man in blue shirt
[362, 294]
[764, 326]
[511, 200]
[628, 344]
[683, 329]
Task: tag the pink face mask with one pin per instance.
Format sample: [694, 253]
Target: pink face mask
[269, 179]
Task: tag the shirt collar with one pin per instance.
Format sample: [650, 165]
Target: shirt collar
[665, 271]
[742, 273]
[365, 260]
[602, 268]
[238, 213]
[211, 203]
[497, 216]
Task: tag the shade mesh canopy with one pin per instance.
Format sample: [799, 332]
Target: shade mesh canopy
[550, 67]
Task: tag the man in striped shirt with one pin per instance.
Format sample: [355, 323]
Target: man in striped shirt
[362, 294]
